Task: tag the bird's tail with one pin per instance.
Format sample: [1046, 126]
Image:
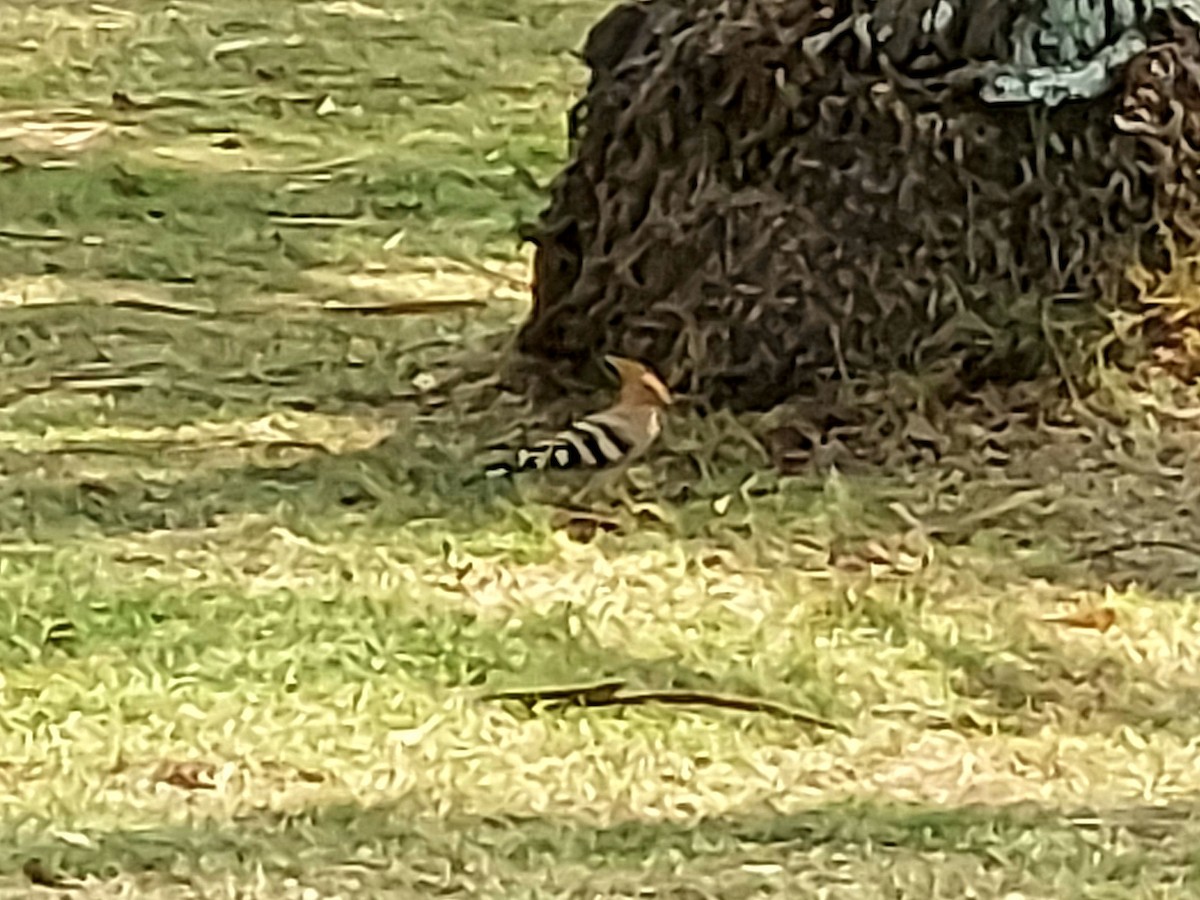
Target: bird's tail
[496, 471]
[499, 472]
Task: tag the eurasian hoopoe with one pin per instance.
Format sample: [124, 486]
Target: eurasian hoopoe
[616, 435]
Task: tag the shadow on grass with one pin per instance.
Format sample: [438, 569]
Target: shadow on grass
[1134, 846]
[428, 471]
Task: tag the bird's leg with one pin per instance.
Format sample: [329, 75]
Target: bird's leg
[606, 480]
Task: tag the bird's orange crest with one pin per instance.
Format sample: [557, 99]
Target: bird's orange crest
[639, 383]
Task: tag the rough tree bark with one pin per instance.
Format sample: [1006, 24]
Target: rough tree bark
[764, 192]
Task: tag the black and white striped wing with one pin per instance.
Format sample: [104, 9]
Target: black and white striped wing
[589, 443]
[592, 442]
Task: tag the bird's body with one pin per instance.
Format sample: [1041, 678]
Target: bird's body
[611, 437]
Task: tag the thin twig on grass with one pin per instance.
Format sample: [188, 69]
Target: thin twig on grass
[605, 693]
[402, 307]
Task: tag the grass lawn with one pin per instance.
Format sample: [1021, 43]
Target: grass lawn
[258, 262]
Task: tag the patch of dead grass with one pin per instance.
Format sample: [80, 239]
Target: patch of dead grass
[49, 132]
[279, 439]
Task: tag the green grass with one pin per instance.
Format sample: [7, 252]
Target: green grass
[252, 597]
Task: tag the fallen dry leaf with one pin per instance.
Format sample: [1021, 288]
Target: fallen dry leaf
[1100, 619]
[38, 873]
[191, 775]
[581, 527]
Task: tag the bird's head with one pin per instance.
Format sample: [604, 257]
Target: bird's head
[639, 383]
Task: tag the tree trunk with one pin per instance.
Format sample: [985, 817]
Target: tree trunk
[766, 192]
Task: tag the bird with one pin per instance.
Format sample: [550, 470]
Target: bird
[611, 438]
